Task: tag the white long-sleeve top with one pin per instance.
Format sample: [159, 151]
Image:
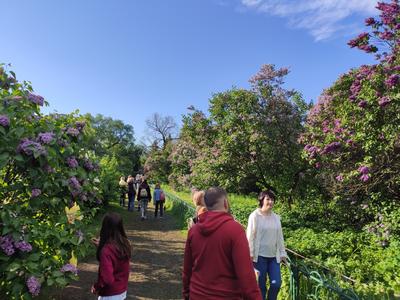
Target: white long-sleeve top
[265, 236]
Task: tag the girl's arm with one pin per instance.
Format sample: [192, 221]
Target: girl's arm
[106, 270]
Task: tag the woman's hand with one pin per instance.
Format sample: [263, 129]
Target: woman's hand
[284, 260]
[93, 290]
[95, 241]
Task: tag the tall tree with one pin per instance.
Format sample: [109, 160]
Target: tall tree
[161, 129]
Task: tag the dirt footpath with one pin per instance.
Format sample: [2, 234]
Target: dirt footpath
[156, 267]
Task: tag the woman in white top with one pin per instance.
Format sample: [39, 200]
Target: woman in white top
[267, 249]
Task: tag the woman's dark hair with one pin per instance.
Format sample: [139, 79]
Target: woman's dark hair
[113, 232]
[263, 194]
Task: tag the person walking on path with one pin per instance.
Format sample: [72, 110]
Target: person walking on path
[131, 193]
[267, 248]
[123, 186]
[113, 254]
[144, 196]
[158, 200]
[217, 262]
[198, 201]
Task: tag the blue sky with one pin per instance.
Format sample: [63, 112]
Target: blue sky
[129, 58]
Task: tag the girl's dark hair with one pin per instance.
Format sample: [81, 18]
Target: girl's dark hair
[263, 194]
[113, 232]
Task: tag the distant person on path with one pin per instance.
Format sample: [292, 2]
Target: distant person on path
[158, 200]
[267, 249]
[113, 254]
[123, 186]
[217, 262]
[144, 196]
[138, 181]
[198, 201]
[131, 193]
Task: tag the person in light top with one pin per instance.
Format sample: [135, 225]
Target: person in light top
[267, 248]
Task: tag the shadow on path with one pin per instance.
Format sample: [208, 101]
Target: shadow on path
[156, 266]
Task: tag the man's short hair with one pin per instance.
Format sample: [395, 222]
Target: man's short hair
[213, 195]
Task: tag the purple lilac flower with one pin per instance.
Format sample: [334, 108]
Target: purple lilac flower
[36, 193]
[23, 246]
[83, 197]
[386, 35]
[88, 165]
[318, 165]
[332, 147]
[79, 234]
[72, 162]
[98, 201]
[28, 147]
[36, 99]
[7, 245]
[4, 121]
[72, 131]
[33, 285]
[362, 104]
[74, 183]
[46, 137]
[370, 21]
[364, 177]
[384, 101]
[363, 170]
[80, 125]
[339, 178]
[393, 80]
[69, 268]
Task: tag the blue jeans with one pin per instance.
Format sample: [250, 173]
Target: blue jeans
[269, 265]
[131, 202]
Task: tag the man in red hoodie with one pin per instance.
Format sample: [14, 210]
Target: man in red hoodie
[217, 261]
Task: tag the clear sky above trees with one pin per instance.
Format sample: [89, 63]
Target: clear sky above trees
[108, 57]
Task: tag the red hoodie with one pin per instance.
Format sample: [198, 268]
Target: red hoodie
[113, 272]
[217, 261]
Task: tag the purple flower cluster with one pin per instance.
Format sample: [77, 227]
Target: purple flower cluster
[72, 162]
[73, 131]
[7, 245]
[46, 137]
[33, 285]
[362, 104]
[36, 193]
[28, 147]
[36, 99]
[339, 178]
[69, 268]
[4, 121]
[384, 101]
[370, 21]
[393, 80]
[312, 150]
[88, 165]
[364, 171]
[80, 125]
[355, 90]
[332, 147]
[75, 186]
[23, 246]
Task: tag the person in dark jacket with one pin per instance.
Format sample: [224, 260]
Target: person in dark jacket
[217, 262]
[131, 193]
[144, 196]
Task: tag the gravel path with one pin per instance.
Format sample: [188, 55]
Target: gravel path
[156, 266]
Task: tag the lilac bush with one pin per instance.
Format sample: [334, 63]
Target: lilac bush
[40, 177]
[352, 132]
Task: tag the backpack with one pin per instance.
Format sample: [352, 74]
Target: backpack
[143, 193]
[162, 196]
